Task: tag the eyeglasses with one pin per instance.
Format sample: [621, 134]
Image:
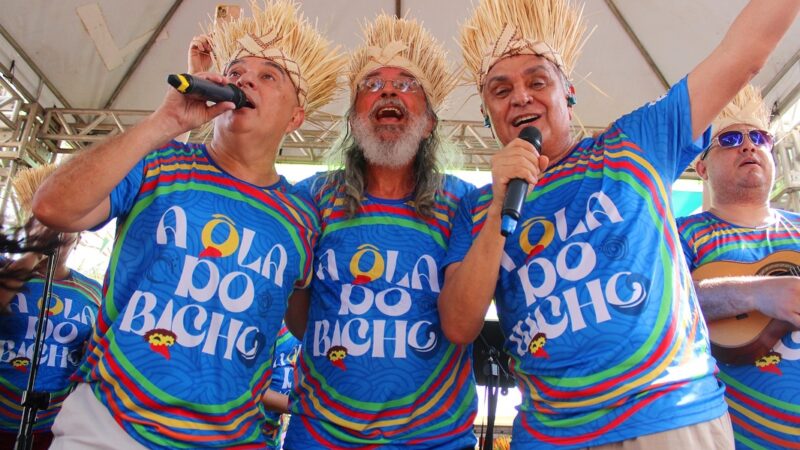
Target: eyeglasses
[735, 138]
[402, 84]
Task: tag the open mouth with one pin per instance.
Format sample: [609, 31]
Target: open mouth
[389, 112]
[748, 162]
[248, 103]
[525, 120]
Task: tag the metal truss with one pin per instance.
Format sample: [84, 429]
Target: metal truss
[30, 136]
[786, 192]
[68, 130]
[19, 123]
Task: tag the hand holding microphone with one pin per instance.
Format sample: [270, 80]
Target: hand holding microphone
[207, 90]
[518, 187]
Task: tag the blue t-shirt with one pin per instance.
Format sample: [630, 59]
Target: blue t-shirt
[73, 311]
[375, 368]
[286, 349]
[600, 318]
[195, 293]
[763, 397]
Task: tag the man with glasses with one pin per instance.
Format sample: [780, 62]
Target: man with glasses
[601, 322]
[739, 237]
[375, 369]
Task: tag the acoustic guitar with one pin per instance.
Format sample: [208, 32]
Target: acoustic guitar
[747, 337]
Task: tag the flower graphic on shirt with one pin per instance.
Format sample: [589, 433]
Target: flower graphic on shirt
[56, 305]
[367, 264]
[337, 354]
[160, 341]
[292, 358]
[769, 363]
[212, 247]
[20, 363]
[536, 346]
[542, 231]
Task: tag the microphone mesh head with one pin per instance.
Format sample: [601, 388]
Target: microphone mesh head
[532, 135]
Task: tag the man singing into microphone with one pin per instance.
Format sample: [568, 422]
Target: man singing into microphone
[209, 246]
[601, 322]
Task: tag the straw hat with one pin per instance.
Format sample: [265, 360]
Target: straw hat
[390, 41]
[552, 29]
[747, 107]
[282, 35]
[26, 182]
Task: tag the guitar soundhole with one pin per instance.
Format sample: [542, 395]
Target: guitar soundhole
[779, 269]
[742, 316]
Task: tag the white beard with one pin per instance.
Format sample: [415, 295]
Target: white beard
[392, 153]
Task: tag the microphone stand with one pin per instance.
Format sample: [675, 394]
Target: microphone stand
[34, 401]
[492, 369]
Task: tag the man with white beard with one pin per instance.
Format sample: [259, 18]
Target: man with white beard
[375, 368]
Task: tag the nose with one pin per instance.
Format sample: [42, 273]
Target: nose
[245, 79]
[748, 147]
[520, 97]
[388, 89]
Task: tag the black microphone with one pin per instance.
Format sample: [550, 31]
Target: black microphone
[518, 187]
[187, 84]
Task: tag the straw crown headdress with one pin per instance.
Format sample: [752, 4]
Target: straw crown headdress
[746, 107]
[282, 35]
[26, 182]
[403, 43]
[552, 29]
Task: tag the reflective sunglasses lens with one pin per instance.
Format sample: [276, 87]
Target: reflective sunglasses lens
[730, 139]
[760, 137]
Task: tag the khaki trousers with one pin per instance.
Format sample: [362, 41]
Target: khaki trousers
[715, 434]
[85, 423]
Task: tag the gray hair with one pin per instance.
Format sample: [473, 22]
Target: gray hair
[349, 166]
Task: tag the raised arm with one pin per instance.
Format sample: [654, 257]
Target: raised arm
[776, 297]
[742, 53]
[76, 196]
[469, 285]
[199, 57]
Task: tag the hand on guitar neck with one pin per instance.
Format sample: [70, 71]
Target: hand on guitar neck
[749, 306]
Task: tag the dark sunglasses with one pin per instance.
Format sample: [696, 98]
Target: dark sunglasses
[735, 138]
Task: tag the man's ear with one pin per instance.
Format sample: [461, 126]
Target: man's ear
[429, 125]
[298, 116]
[571, 100]
[701, 169]
[487, 121]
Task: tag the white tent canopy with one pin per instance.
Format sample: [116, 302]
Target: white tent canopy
[116, 54]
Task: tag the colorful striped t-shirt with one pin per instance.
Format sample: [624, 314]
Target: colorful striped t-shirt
[763, 397]
[194, 296]
[73, 311]
[375, 370]
[602, 325]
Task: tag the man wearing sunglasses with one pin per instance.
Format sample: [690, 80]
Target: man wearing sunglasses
[597, 309]
[752, 240]
[375, 369]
